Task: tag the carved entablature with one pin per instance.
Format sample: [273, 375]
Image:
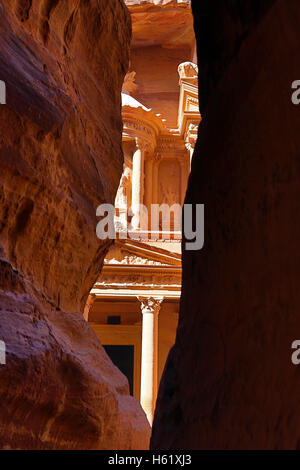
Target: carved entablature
[123, 257]
[140, 123]
[138, 128]
[144, 135]
[132, 252]
[135, 265]
[192, 104]
[170, 145]
[132, 269]
[120, 280]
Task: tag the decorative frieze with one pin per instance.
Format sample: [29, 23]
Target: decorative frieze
[139, 279]
[140, 127]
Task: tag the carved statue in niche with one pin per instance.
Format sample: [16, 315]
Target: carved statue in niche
[123, 199]
[129, 85]
[169, 185]
[188, 70]
[169, 182]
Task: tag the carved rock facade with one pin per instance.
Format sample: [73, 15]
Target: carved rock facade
[143, 268]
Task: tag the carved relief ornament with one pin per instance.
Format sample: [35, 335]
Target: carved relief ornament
[150, 304]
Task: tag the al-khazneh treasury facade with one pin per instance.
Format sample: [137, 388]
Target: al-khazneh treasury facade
[134, 305]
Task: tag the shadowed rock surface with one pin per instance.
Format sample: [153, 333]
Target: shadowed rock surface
[229, 382]
[60, 157]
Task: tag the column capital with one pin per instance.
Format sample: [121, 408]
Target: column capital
[142, 144]
[150, 304]
[152, 156]
[189, 146]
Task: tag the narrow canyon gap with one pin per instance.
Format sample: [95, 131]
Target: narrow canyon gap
[229, 382]
[60, 157]
[134, 304]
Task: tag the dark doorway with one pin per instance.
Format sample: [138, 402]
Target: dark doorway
[123, 358]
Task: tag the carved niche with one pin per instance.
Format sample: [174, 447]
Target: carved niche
[169, 182]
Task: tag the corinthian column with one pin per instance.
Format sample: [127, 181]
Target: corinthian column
[157, 158]
[183, 181]
[137, 174]
[149, 185]
[150, 308]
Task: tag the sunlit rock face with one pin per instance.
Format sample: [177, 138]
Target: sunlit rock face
[60, 157]
[229, 382]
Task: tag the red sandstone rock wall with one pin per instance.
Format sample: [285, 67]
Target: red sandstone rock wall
[229, 382]
[60, 157]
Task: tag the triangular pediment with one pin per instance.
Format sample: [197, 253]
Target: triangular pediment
[131, 252]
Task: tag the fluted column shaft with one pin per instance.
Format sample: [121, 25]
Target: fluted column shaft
[150, 309]
[137, 174]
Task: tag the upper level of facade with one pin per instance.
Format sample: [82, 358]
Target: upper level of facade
[157, 159]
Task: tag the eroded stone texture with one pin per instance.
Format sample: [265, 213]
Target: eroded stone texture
[60, 157]
[229, 381]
